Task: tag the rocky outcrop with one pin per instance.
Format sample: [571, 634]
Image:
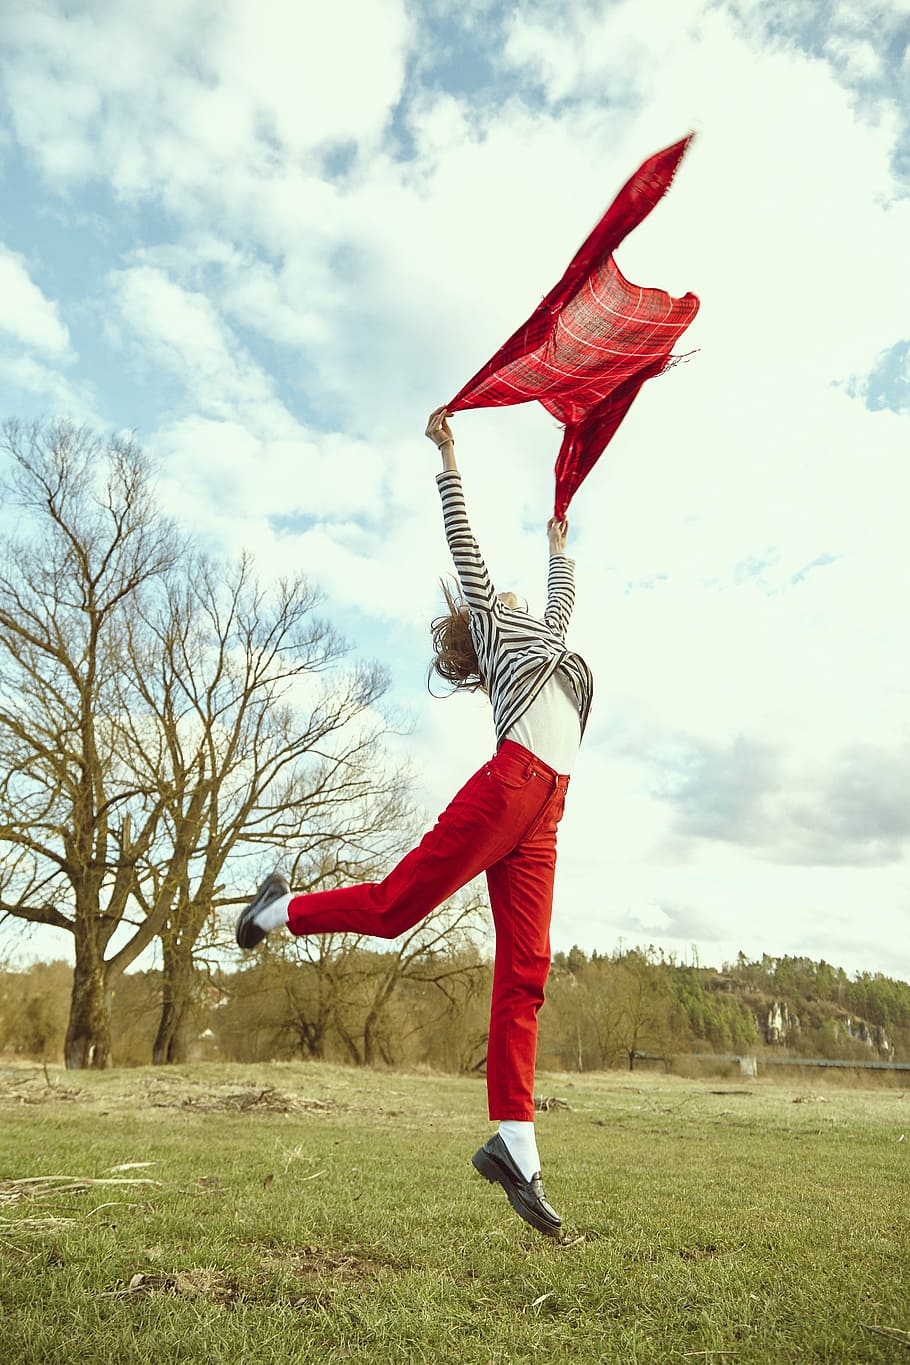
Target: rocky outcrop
[779, 1024]
[873, 1035]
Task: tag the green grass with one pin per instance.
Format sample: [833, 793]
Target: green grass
[339, 1219]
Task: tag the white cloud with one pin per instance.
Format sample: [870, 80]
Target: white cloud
[314, 82]
[157, 99]
[181, 332]
[577, 49]
[857, 59]
[224, 480]
[290, 304]
[23, 375]
[26, 313]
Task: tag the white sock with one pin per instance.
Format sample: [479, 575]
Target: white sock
[522, 1145]
[275, 914]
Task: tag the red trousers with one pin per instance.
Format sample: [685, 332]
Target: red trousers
[502, 822]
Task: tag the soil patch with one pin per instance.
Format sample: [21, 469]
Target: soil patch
[339, 1264]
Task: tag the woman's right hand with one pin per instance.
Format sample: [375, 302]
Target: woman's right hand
[438, 429]
[556, 535]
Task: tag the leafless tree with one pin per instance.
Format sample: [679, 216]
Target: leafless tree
[157, 719]
[263, 749]
[347, 988]
[363, 983]
[66, 828]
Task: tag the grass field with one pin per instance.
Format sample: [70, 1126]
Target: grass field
[307, 1213]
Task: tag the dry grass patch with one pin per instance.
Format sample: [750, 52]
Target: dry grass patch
[206, 1282]
[267, 1101]
[52, 1186]
[36, 1088]
[22, 1194]
[343, 1266]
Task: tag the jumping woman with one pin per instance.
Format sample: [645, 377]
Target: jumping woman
[502, 822]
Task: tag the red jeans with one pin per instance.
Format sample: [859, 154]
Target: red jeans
[502, 822]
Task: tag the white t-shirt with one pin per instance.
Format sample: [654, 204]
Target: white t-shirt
[551, 726]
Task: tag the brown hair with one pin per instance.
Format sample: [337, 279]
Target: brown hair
[454, 655]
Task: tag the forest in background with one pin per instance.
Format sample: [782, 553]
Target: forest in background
[339, 1000]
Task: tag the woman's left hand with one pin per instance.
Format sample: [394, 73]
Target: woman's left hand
[556, 534]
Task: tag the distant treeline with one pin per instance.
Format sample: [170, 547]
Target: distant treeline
[350, 1004]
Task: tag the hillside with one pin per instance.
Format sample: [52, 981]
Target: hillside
[642, 999]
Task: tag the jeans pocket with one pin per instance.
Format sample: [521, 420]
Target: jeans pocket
[512, 777]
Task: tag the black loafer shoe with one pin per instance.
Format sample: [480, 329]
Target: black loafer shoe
[248, 932]
[526, 1196]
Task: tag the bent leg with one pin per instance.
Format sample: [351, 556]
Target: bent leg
[476, 829]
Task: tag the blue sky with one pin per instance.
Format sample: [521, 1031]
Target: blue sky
[270, 243]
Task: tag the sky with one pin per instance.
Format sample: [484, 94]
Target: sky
[270, 238]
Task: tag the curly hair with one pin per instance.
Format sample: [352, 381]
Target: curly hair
[454, 655]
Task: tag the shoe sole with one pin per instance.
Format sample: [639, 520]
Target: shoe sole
[487, 1167]
[247, 933]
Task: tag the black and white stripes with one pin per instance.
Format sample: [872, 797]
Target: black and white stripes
[517, 653]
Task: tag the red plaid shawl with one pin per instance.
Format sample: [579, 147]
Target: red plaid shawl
[587, 349]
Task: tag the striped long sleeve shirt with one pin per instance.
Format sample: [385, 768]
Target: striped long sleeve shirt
[517, 653]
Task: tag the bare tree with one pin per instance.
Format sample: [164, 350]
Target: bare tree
[65, 825]
[343, 986]
[251, 749]
[427, 954]
[159, 717]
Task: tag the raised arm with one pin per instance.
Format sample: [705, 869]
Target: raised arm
[560, 579]
[469, 564]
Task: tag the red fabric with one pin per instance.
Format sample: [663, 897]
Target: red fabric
[502, 822]
[585, 352]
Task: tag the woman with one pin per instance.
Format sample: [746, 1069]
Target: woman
[502, 822]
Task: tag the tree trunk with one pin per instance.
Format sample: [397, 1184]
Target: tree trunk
[178, 985]
[312, 1041]
[312, 1044]
[369, 1051]
[353, 1050]
[88, 1035]
[374, 1015]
